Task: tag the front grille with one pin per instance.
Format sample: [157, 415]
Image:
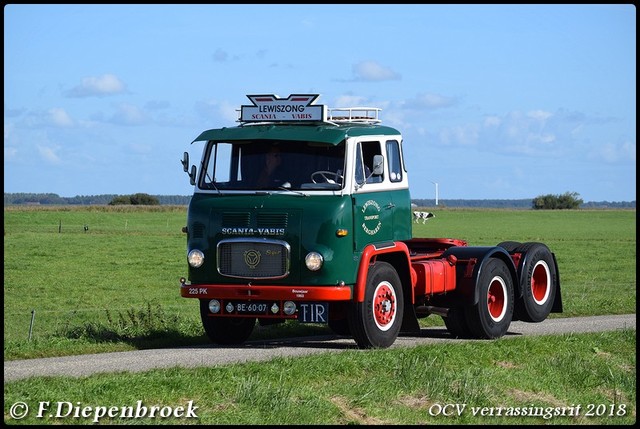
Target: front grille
[262, 219]
[253, 258]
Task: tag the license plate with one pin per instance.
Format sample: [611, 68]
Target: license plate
[313, 312]
[253, 307]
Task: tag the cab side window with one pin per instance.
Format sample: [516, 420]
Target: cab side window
[359, 170]
[366, 152]
[395, 164]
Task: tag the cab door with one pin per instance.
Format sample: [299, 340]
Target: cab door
[373, 207]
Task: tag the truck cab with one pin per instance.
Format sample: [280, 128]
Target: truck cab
[303, 212]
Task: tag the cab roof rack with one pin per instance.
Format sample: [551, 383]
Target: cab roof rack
[349, 115]
[299, 108]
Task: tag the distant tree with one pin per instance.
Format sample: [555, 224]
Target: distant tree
[566, 201]
[120, 200]
[135, 199]
[144, 200]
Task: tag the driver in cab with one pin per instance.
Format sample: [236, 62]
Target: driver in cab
[268, 177]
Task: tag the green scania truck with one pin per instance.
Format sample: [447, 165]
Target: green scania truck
[303, 212]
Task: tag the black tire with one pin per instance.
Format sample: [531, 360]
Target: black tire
[225, 330]
[509, 246]
[456, 323]
[376, 322]
[538, 282]
[492, 315]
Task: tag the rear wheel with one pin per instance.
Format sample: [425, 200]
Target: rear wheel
[456, 322]
[509, 246]
[537, 282]
[492, 315]
[375, 322]
[225, 330]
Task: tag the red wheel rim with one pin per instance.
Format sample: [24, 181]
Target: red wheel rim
[540, 283]
[496, 299]
[384, 305]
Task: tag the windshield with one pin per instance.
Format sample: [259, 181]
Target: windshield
[268, 164]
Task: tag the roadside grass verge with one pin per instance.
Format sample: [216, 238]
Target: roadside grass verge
[572, 379]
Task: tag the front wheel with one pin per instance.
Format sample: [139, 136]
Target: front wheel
[492, 315]
[375, 322]
[225, 330]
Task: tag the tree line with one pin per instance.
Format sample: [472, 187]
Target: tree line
[569, 200]
[88, 200]
[566, 201]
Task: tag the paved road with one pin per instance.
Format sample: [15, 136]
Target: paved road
[212, 355]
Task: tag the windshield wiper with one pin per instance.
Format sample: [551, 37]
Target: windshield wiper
[283, 188]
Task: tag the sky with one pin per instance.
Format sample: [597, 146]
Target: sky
[493, 101]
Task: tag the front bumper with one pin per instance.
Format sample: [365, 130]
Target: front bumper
[266, 292]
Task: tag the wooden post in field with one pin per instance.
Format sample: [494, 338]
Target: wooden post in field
[33, 316]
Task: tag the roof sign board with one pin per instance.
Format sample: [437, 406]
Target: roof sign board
[295, 108]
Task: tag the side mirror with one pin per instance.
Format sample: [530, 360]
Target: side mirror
[192, 175]
[378, 165]
[185, 161]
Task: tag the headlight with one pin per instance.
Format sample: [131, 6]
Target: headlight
[313, 260]
[195, 258]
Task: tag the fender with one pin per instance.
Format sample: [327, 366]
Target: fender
[557, 304]
[369, 255]
[471, 260]
[397, 254]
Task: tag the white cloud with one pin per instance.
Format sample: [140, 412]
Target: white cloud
[608, 152]
[546, 138]
[212, 111]
[141, 148]
[48, 154]
[128, 114]
[539, 115]
[533, 133]
[107, 84]
[612, 153]
[492, 121]
[374, 72]
[429, 101]
[7, 127]
[629, 150]
[464, 135]
[10, 152]
[349, 101]
[59, 117]
[228, 112]
[157, 105]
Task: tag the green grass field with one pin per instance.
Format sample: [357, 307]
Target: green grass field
[115, 287]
